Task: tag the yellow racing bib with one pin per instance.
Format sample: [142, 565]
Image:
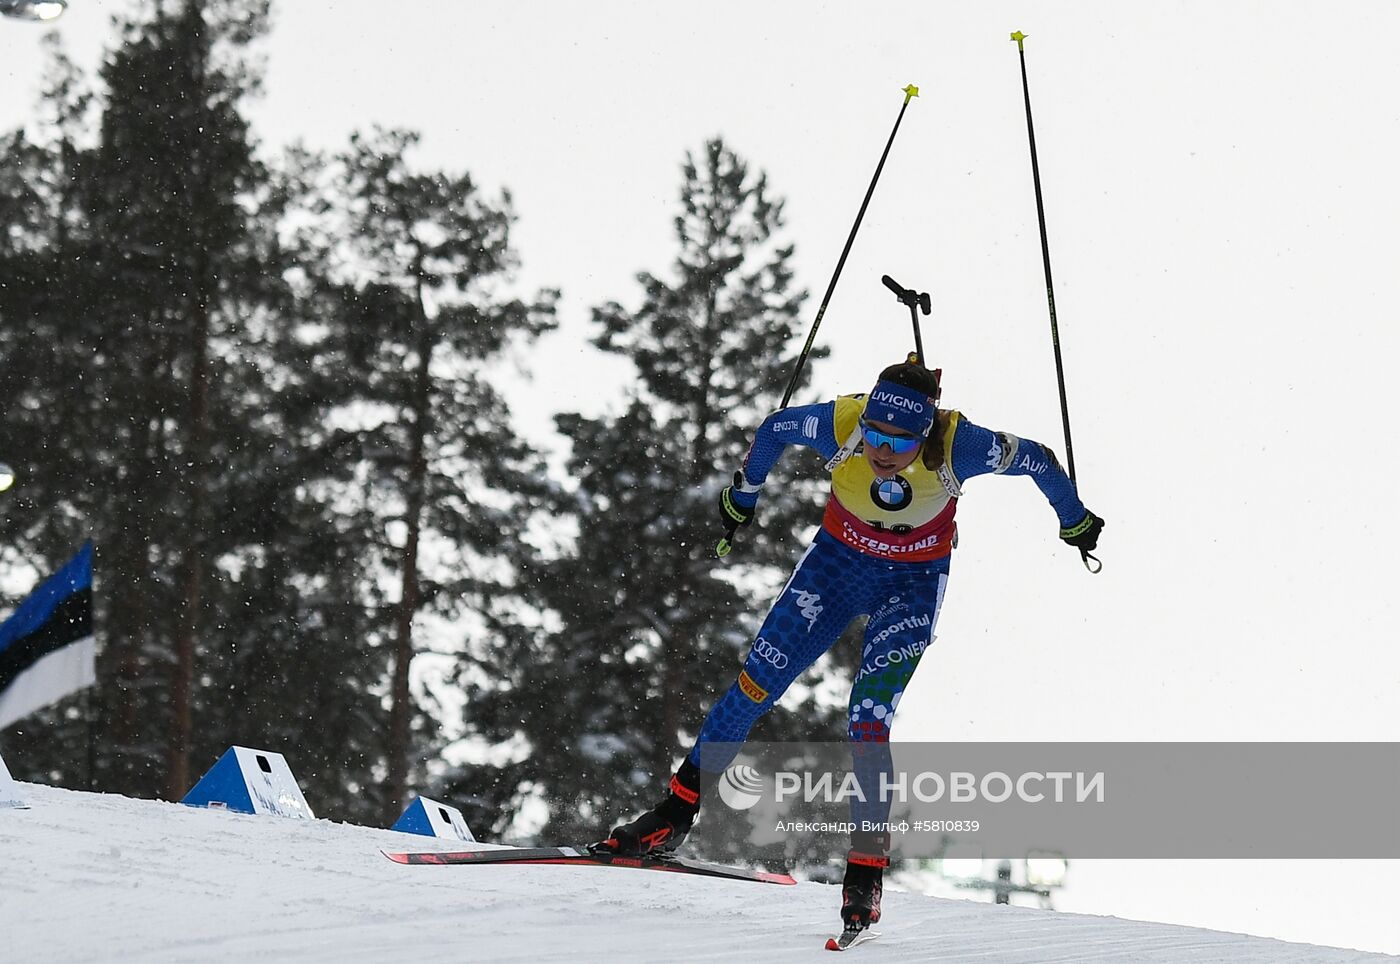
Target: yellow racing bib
[908, 517]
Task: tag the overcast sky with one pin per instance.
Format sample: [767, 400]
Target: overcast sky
[1222, 202]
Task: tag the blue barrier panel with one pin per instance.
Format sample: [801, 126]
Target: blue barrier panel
[250, 781]
[433, 819]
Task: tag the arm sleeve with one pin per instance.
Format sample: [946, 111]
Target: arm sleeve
[981, 451]
[811, 425]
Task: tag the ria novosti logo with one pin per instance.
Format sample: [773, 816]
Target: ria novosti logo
[741, 786]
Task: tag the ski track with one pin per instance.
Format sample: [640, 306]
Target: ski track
[108, 878]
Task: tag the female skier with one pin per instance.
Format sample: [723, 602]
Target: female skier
[897, 465]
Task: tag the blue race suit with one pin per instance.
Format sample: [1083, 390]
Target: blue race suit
[883, 551]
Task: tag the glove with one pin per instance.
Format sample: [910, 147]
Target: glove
[1084, 535]
[737, 502]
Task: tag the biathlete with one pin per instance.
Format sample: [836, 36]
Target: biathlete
[898, 464]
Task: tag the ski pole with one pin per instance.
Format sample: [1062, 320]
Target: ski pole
[1020, 39]
[910, 92]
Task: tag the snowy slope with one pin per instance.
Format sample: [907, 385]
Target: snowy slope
[91, 877]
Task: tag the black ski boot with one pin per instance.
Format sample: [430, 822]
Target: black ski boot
[662, 828]
[862, 888]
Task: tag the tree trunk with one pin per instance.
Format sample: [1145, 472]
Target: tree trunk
[177, 761]
[130, 612]
[679, 638]
[401, 706]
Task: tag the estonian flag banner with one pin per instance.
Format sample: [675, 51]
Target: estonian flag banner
[46, 648]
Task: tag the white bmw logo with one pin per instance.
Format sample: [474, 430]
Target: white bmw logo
[892, 494]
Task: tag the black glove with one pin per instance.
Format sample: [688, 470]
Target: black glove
[731, 512]
[1084, 535]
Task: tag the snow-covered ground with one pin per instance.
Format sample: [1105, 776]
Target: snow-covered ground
[93, 877]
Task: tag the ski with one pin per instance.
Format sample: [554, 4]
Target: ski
[579, 856]
[851, 937]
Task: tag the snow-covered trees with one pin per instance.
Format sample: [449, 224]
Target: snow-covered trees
[267, 403]
[651, 626]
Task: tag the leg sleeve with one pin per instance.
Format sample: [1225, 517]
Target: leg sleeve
[898, 634]
[810, 613]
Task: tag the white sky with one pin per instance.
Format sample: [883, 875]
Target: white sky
[1222, 203]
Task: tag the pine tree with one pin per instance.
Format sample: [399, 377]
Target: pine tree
[175, 165]
[419, 261]
[148, 264]
[243, 420]
[287, 664]
[650, 625]
[46, 362]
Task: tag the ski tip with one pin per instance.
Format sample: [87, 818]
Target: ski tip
[832, 945]
[396, 858]
[771, 878]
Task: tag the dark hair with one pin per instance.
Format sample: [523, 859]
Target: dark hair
[911, 374]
